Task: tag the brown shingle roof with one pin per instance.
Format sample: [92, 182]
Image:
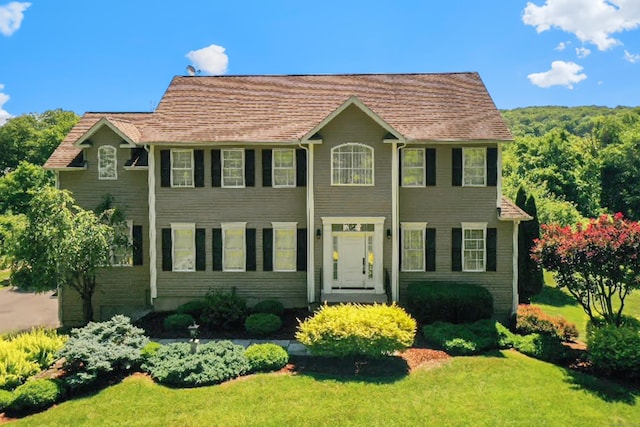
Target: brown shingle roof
[509, 211]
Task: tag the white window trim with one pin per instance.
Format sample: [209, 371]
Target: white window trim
[284, 226]
[130, 263]
[475, 226]
[412, 226]
[273, 167]
[235, 226]
[183, 226]
[192, 169]
[222, 162]
[114, 151]
[464, 166]
[424, 168]
[373, 166]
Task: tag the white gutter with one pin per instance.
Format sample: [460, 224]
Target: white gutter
[311, 289]
[395, 222]
[151, 183]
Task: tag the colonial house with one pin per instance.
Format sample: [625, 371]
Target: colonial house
[301, 188]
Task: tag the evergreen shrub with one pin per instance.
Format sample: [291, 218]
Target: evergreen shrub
[195, 308]
[615, 350]
[449, 302]
[262, 323]
[469, 338]
[36, 395]
[178, 322]
[223, 309]
[266, 357]
[6, 399]
[269, 306]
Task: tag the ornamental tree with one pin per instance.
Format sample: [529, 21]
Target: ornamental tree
[598, 263]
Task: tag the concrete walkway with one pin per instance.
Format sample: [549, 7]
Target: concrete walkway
[294, 348]
[20, 310]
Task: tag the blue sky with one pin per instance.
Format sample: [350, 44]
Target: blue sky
[121, 55]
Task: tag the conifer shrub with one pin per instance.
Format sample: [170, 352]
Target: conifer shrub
[449, 302]
[543, 347]
[6, 399]
[266, 357]
[223, 309]
[530, 319]
[353, 330]
[195, 308]
[178, 322]
[15, 367]
[615, 350]
[269, 306]
[36, 395]
[262, 324]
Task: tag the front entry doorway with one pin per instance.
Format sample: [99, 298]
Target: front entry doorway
[355, 260]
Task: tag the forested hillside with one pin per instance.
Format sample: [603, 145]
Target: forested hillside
[577, 162]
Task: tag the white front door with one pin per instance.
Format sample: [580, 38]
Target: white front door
[352, 271]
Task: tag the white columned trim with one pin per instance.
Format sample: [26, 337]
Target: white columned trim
[151, 183]
[57, 179]
[499, 180]
[311, 268]
[394, 222]
[514, 304]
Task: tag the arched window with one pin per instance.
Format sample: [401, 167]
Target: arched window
[107, 162]
[352, 164]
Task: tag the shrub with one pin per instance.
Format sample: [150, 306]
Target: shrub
[194, 308]
[468, 339]
[111, 347]
[269, 306]
[223, 309]
[6, 399]
[599, 322]
[15, 367]
[40, 345]
[262, 323]
[615, 350]
[530, 319]
[36, 395]
[348, 330]
[543, 347]
[149, 350]
[213, 363]
[431, 302]
[266, 357]
[178, 322]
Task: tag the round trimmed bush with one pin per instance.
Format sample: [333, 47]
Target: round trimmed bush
[178, 322]
[269, 306]
[36, 395]
[223, 309]
[6, 398]
[262, 323]
[266, 357]
[194, 308]
[615, 350]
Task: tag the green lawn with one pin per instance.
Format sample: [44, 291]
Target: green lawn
[505, 389]
[4, 275]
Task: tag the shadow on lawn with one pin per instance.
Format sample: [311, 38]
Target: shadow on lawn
[377, 371]
[555, 297]
[606, 390]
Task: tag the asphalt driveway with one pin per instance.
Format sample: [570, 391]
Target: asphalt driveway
[21, 310]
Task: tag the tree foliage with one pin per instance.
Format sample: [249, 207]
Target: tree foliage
[19, 186]
[530, 277]
[598, 263]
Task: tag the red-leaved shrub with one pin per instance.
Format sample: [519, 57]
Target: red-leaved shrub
[530, 319]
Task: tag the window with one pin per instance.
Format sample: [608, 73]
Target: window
[474, 167]
[233, 168]
[107, 162]
[352, 164]
[413, 246]
[473, 247]
[233, 246]
[284, 246]
[122, 249]
[413, 167]
[184, 247]
[182, 168]
[284, 168]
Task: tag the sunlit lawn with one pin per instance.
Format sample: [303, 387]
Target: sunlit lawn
[4, 275]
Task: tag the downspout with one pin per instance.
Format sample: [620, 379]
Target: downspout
[395, 220]
[516, 299]
[151, 184]
[311, 271]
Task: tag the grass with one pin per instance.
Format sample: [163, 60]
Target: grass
[4, 277]
[506, 388]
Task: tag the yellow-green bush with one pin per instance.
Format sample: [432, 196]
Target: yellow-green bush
[349, 330]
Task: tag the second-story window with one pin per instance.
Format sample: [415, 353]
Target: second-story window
[233, 168]
[413, 167]
[352, 164]
[107, 162]
[284, 168]
[474, 167]
[182, 168]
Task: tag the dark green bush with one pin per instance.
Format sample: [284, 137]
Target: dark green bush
[266, 357]
[543, 347]
[351, 330]
[470, 338]
[100, 349]
[262, 324]
[194, 308]
[6, 399]
[599, 322]
[213, 363]
[530, 319]
[223, 309]
[178, 322]
[269, 306]
[449, 302]
[150, 350]
[36, 395]
[615, 350]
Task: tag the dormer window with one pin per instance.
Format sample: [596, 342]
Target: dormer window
[107, 162]
[352, 164]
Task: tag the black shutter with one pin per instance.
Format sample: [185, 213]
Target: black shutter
[266, 167]
[137, 245]
[431, 166]
[198, 174]
[492, 166]
[267, 249]
[167, 256]
[456, 249]
[492, 249]
[301, 252]
[249, 168]
[301, 168]
[456, 177]
[430, 253]
[201, 251]
[165, 168]
[217, 249]
[216, 168]
[250, 238]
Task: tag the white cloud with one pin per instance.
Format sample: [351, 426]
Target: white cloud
[211, 59]
[4, 115]
[11, 17]
[631, 57]
[562, 46]
[592, 21]
[583, 52]
[561, 74]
